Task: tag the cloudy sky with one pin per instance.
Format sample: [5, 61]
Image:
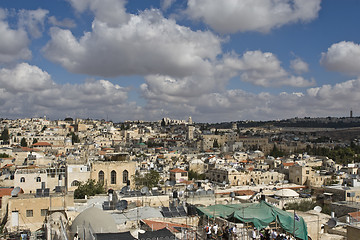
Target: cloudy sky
[148, 59]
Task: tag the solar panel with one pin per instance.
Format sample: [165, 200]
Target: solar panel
[181, 211]
[173, 209]
[165, 209]
[175, 213]
[167, 214]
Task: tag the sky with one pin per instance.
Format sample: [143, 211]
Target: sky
[213, 60]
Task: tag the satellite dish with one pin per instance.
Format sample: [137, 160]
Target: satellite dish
[190, 187]
[318, 209]
[332, 222]
[15, 191]
[206, 180]
[122, 205]
[124, 190]
[144, 190]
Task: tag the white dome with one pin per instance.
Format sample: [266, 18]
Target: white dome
[286, 193]
[100, 222]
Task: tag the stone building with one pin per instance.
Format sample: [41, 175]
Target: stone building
[304, 175]
[114, 174]
[29, 212]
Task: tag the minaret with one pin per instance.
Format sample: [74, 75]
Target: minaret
[351, 113]
[190, 121]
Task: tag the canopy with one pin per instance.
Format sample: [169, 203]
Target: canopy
[260, 214]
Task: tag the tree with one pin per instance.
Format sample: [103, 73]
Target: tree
[4, 155]
[5, 135]
[163, 124]
[23, 142]
[301, 206]
[90, 188]
[44, 128]
[74, 138]
[275, 152]
[150, 179]
[35, 141]
[195, 175]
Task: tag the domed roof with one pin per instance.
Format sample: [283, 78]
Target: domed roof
[99, 221]
[286, 193]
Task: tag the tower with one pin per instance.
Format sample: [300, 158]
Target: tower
[190, 133]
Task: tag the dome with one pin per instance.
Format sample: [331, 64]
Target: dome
[197, 161]
[100, 222]
[286, 193]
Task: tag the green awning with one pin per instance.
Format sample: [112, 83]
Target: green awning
[260, 214]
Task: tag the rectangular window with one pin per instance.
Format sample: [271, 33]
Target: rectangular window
[307, 171]
[29, 213]
[44, 212]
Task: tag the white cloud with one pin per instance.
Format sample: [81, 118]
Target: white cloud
[14, 42]
[342, 57]
[27, 90]
[111, 12]
[66, 22]
[263, 69]
[299, 66]
[33, 21]
[24, 78]
[232, 16]
[147, 44]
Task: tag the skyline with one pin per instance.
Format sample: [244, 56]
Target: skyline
[145, 60]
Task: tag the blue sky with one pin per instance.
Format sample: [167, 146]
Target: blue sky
[212, 60]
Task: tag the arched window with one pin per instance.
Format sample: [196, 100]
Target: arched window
[125, 176]
[113, 177]
[101, 176]
[75, 183]
[22, 179]
[38, 179]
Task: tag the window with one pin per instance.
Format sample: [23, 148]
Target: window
[38, 179]
[125, 176]
[29, 213]
[44, 212]
[184, 174]
[22, 179]
[113, 177]
[307, 172]
[101, 176]
[75, 183]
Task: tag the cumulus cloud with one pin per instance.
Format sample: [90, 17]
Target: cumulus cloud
[33, 21]
[66, 22]
[263, 69]
[228, 105]
[14, 42]
[111, 12]
[251, 15]
[26, 90]
[342, 57]
[24, 78]
[299, 66]
[147, 44]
